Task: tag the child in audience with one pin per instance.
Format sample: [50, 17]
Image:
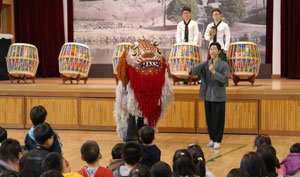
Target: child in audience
[182, 164]
[31, 162]
[140, 171]
[161, 169]
[292, 161]
[132, 154]
[199, 161]
[10, 154]
[38, 116]
[90, 153]
[151, 153]
[254, 165]
[237, 172]
[52, 173]
[262, 140]
[116, 154]
[3, 135]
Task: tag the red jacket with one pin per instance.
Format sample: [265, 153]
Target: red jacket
[101, 172]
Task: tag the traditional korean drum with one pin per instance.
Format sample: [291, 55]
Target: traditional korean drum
[22, 60]
[244, 61]
[120, 48]
[74, 60]
[183, 54]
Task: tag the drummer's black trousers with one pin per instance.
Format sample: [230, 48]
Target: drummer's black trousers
[215, 119]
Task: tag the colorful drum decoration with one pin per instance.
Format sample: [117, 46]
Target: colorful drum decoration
[244, 61]
[120, 48]
[22, 60]
[183, 54]
[74, 61]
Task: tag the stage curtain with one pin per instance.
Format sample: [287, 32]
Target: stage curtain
[269, 33]
[41, 23]
[70, 21]
[290, 39]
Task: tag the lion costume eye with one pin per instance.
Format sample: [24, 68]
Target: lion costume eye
[158, 51]
[134, 53]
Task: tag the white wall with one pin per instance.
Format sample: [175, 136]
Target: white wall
[276, 70]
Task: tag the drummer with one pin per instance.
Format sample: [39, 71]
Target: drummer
[187, 30]
[216, 32]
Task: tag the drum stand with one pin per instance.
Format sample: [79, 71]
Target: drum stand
[191, 79]
[24, 78]
[65, 78]
[236, 79]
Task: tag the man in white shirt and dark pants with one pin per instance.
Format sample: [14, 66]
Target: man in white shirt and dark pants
[218, 31]
[187, 30]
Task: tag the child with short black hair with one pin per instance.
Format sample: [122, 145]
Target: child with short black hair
[116, 154]
[140, 171]
[132, 153]
[52, 173]
[31, 162]
[3, 134]
[10, 153]
[292, 161]
[38, 116]
[161, 169]
[90, 153]
[151, 153]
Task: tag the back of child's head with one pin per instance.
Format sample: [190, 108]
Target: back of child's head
[132, 153]
[52, 173]
[295, 148]
[3, 134]
[53, 161]
[90, 151]
[161, 169]
[38, 115]
[147, 134]
[272, 150]
[182, 164]
[116, 151]
[198, 160]
[140, 171]
[42, 133]
[269, 159]
[10, 150]
[237, 172]
[9, 173]
[262, 140]
[253, 164]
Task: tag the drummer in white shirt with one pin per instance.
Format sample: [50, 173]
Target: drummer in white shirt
[187, 30]
[218, 31]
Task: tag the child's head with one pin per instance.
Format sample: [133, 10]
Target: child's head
[267, 154]
[295, 148]
[237, 172]
[146, 134]
[182, 164]
[132, 153]
[198, 159]
[161, 169]
[38, 115]
[3, 134]
[272, 150]
[253, 164]
[52, 173]
[116, 151]
[90, 152]
[262, 140]
[53, 161]
[11, 152]
[43, 134]
[140, 171]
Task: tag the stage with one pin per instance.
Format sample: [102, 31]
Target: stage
[270, 106]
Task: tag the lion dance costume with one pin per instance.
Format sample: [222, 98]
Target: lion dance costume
[144, 89]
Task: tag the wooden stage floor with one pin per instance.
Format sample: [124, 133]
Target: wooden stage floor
[54, 86]
[233, 147]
